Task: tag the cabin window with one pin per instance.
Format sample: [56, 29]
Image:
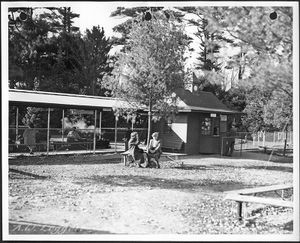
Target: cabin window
[206, 126]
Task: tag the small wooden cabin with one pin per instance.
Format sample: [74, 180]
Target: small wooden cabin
[199, 126]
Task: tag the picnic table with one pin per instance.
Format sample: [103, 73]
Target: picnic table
[172, 157]
[249, 195]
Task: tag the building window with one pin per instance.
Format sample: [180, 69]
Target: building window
[206, 126]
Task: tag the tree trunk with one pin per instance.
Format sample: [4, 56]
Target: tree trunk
[149, 122]
[285, 141]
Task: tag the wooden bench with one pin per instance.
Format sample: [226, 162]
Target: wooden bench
[169, 156]
[125, 157]
[59, 142]
[244, 196]
[255, 190]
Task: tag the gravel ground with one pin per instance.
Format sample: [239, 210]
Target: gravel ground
[82, 194]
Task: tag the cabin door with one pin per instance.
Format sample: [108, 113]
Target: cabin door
[210, 135]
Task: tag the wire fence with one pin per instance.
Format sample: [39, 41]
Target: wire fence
[56, 139]
[263, 141]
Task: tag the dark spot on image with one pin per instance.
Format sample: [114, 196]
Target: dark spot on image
[273, 15]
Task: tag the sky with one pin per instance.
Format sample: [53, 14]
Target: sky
[96, 13]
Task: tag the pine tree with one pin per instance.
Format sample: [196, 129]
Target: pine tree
[94, 60]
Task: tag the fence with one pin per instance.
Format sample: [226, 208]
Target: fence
[55, 139]
[265, 141]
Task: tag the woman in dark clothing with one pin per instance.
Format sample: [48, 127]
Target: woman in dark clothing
[138, 155]
[127, 138]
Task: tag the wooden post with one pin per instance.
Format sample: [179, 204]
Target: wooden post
[63, 125]
[222, 141]
[239, 210]
[285, 142]
[95, 125]
[17, 124]
[116, 133]
[241, 147]
[149, 122]
[264, 138]
[100, 124]
[48, 132]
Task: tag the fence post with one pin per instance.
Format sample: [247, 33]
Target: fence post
[63, 125]
[48, 132]
[264, 138]
[17, 124]
[100, 124]
[116, 127]
[240, 210]
[94, 140]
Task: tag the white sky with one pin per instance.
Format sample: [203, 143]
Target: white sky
[96, 13]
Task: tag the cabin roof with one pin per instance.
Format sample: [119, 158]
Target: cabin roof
[201, 101]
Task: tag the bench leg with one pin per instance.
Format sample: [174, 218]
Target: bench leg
[125, 160]
[239, 210]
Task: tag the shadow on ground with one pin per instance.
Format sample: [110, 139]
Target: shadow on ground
[31, 175]
[221, 166]
[162, 183]
[258, 155]
[116, 158]
[26, 227]
[64, 160]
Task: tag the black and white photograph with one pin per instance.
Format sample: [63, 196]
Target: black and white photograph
[154, 120]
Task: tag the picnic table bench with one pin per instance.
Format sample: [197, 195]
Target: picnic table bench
[58, 142]
[170, 156]
[244, 196]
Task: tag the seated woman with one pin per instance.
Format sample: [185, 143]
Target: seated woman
[137, 154]
[154, 149]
